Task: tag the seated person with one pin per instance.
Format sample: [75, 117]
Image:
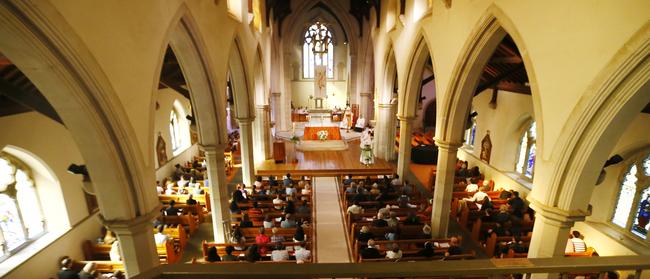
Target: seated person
[171, 210]
[272, 181]
[379, 221]
[169, 190]
[190, 200]
[396, 181]
[517, 205]
[290, 190]
[394, 253]
[245, 221]
[234, 207]
[258, 181]
[454, 247]
[287, 180]
[303, 208]
[277, 202]
[579, 245]
[360, 125]
[364, 235]
[412, 219]
[279, 253]
[348, 180]
[182, 182]
[299, 235]
[302, 254]
[355, 208]
[427, 251]
[478, 196]
[229, 256]
[288, 222]
[262, 238]
[212, 255]
[472, 186]
[370, 251]
[275, 237]
[268, 222]
[159, 188]
[160, 237]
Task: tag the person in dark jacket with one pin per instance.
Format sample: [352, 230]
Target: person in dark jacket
[370, 252]
[66, 271]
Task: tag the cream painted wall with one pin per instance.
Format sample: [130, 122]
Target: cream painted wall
[505, 124]
[302, 89]
[635, 139]
[54, 146]
[428, 91]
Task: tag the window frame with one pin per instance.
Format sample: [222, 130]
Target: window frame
[308, 71]
[19, 165]
[641, 185]
[530, 141]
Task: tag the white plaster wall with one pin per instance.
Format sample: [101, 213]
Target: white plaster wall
[303, 88]
[52, 143]
[165, 99]
[505, 124]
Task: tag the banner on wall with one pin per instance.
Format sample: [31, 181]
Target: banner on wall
[320, 81]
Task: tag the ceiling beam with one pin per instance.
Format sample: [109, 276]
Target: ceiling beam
[506, 60]
[491, 82]
[32, 99]
[166, 82]
[428, 79]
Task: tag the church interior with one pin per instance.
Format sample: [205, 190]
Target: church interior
[324, 139]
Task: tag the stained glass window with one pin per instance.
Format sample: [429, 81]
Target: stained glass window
[527, 151]
[470, 134]
[21, 216]
[315, 36]
[632, 211]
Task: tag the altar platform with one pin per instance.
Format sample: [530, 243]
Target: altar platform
[326, 163]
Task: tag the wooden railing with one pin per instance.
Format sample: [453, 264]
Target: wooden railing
[494, 268]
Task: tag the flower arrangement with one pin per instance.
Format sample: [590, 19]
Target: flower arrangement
[322, 135]
[294, 139]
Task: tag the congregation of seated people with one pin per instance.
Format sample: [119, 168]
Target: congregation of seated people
[387, 219]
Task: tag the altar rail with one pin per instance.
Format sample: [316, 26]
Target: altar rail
[494, 268]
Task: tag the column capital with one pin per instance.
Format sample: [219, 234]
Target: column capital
[130, 226]
[245, 120]
[449, 145]
[405, 118]
[555, 215]
[386, 106]
[263, 107]
[212, 148]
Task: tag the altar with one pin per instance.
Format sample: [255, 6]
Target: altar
[311, 133]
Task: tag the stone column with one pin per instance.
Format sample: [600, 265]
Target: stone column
[219, 193]
[404, 158]
[275, 108]
[365, 102]
[263, 141]
[551, 232]
[137, 244]
[246, 147]
[385, 132]
[442, 194]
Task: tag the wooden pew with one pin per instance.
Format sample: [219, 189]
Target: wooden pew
[221, 248]
[182, 220]
[175, 232]
[166, 251]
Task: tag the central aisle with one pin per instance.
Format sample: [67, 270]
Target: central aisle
[332, 244]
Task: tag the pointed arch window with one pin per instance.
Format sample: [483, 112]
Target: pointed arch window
[527, 151]
[470, 134]
[632, 210]
[175, 130]
[21, 215]
[317, 49]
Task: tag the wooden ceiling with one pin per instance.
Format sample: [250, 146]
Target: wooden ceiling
[171, 75]
[18, 94]
[505, 70]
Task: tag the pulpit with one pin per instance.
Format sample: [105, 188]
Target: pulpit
[279, 153]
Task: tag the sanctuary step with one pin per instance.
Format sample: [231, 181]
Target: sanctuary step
[325, 145]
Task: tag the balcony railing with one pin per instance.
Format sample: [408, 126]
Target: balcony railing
[492, 268]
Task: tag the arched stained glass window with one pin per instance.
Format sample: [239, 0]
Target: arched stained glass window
[527, 151]
[470, 134]
[21, 216]
[632, 211]
[317, 49]
[175, 130]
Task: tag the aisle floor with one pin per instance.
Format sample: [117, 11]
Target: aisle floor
[332, 244]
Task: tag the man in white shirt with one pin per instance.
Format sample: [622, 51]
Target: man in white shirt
[160, 237]
[355, 208]
[277, 202]
[279, 253]
[396, 181]
[472, 186]
[478, 196]
[302, 255]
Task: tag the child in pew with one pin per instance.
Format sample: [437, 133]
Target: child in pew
[454, 247]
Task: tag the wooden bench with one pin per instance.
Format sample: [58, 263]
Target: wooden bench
[187, 221]
[221, 248]
[166, 251]
[181, 199]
